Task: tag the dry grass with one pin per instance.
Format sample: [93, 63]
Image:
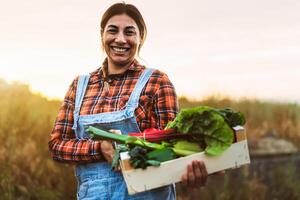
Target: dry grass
[26, 120]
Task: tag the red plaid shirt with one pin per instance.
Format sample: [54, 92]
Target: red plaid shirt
[157, 105]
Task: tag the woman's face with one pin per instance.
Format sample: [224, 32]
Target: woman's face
[121, 39]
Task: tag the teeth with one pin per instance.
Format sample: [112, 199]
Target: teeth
[119, 49]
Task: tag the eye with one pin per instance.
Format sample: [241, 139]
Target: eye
[112, 30]
[130, 32]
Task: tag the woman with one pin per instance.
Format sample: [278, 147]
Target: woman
[121, 95]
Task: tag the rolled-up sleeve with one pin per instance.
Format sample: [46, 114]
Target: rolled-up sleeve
[63, 144]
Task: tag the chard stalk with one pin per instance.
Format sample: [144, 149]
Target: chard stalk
[182, 152]
[98, 134]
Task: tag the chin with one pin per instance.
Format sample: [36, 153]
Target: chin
[121, 62]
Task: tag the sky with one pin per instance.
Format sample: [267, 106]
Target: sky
[248, 48]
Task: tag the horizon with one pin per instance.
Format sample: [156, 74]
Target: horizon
[190, 99]
[232, 48]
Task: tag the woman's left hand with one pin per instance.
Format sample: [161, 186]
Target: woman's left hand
[196, 175]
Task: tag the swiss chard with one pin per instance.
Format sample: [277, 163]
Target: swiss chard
[209, 125]
[193, 130]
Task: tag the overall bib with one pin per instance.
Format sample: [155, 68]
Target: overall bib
[96, 181]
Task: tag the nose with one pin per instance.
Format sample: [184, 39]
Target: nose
[120, 38]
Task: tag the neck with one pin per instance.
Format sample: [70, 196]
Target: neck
[113, 68]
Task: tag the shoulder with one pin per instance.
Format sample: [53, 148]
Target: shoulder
[159, 84]
[160, 76]
[91, 76]
[71, 92]
[156, 73]
[74, 83]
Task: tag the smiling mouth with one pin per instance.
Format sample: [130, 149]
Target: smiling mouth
[119, 49]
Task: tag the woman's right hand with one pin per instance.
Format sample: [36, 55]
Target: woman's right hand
[107, 150]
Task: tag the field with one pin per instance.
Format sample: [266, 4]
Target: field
[27, 171]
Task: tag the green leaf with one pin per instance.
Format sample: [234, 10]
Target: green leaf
[115, 161]
[219, 141]
[183, 152]
[232, 118]
[212, 126]
[186, 145]
[131, 140]
[161, 155]
[153, 162]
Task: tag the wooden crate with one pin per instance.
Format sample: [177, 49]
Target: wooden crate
[139, 180]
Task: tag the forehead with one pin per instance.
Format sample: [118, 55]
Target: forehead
[121, 20]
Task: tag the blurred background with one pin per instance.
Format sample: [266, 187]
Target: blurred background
[239, 54]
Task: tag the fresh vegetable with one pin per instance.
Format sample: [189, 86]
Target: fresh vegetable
[161, 155]
[156, 135]
[194, 130]
[98, 134]
[233, 118]
[211, 126]
[141, 157]
[118, 149]
[138, 157]
[186, 145]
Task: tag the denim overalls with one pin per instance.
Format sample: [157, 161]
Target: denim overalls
[96, 181]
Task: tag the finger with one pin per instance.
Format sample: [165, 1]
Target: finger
[191, 176]
[107, 150]
[115, 131]
[106, 142]
[103, 145]
[106, 146]
[197, 173]
[109, 157]
[117, 169]
[184, 179]
[203, 172]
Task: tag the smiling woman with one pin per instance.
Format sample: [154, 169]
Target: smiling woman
[98, 99]
[121, 40]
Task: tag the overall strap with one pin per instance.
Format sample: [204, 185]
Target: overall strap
[133, 101]
[81, 88]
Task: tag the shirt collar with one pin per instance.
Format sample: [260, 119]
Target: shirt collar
[97, 75]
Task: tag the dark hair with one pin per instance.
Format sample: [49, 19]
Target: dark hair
[131, 11]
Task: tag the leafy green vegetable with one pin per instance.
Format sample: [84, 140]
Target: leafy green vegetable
[138, 158]
[98, 134]
[153, 163]
[161, 155]
[211, 126]
[205, 127]
[186, 145]
[116, 159]
[232, 118]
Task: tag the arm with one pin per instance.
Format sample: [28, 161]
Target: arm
[63, 144]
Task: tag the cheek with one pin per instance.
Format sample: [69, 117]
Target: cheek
[134, 43]
[106, 40]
